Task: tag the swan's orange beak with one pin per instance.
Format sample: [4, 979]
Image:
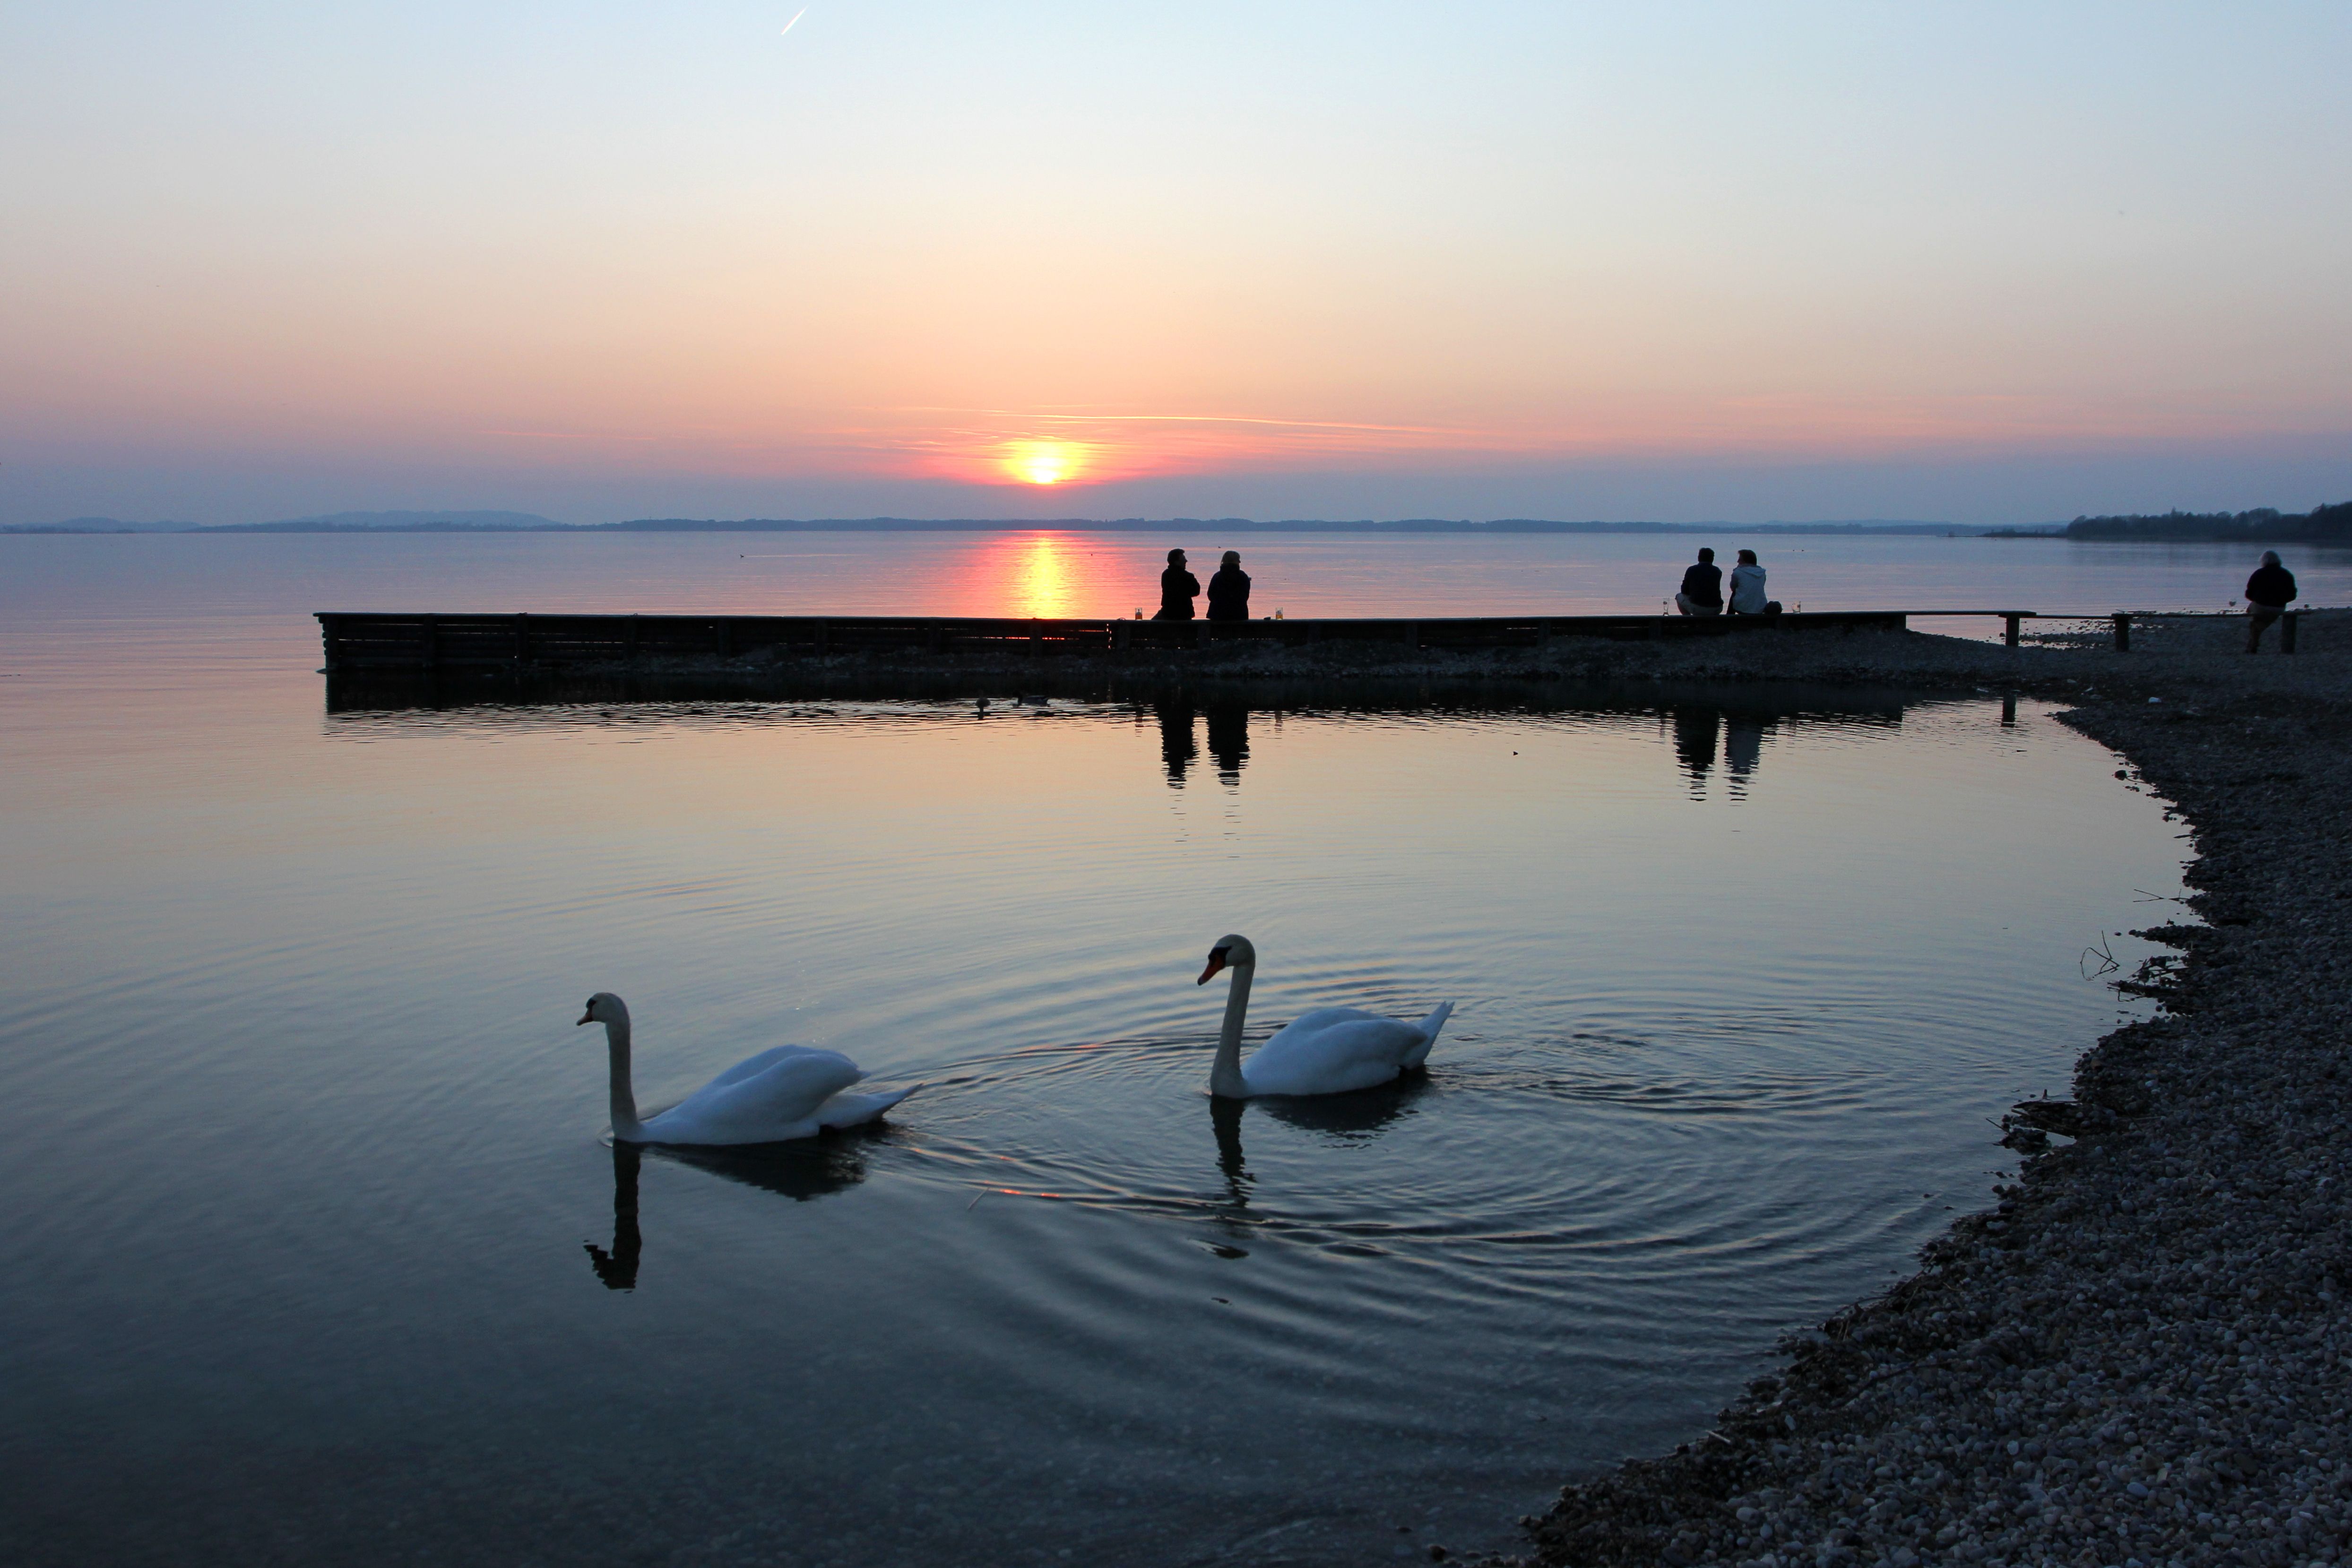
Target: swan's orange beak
[584, 1018]
[1216, 962]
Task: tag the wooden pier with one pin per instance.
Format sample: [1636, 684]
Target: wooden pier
[383, 641]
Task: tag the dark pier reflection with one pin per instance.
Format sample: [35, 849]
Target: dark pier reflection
[806, 1169]
[1717, 730]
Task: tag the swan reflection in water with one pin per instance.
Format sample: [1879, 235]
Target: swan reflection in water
[810, 1168]
[1353, 1118]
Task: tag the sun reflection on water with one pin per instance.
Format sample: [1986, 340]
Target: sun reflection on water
[1044, 573]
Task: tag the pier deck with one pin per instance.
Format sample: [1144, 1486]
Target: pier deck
[387, 641]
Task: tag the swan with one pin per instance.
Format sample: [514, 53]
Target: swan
[786, 1092]
[1330, 1050]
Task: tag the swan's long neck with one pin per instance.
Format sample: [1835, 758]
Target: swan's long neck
[624, 1098]
[1226, 1072]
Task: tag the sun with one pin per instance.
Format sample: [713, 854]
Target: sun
[1043, 462]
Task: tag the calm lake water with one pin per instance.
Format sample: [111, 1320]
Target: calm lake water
[308, 1157]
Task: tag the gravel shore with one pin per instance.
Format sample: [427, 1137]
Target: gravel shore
[2142, 1358]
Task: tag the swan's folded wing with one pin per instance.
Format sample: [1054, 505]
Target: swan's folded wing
[776, 1103]
[855, 1109]
[763, 1061]
[1429, 1027]
[1330, 1051]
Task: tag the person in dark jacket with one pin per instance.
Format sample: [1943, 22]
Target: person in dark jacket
[1702, 589]
[1178, 589]
[2268, 593]
[1229, 590]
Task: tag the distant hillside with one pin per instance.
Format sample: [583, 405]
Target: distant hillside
[399, 522]
[2265, 525]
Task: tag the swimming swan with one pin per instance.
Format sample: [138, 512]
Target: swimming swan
[1328, 1051]
[787, 1092]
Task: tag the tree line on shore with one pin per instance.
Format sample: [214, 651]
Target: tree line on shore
[2320, 526]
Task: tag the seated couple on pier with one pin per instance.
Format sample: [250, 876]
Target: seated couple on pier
[1702, 590]
[1228, 590]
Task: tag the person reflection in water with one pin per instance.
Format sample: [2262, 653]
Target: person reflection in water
[1695, 729]
[1229, 590]
[1743, 747]
[1228, 739]
[1178, 589]
[618, 1267]
[1177, 747]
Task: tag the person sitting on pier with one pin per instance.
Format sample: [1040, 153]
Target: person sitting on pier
[1702, 589]
[2268, 593]
[1178, 589]
[1747, 587]
[1229, 590]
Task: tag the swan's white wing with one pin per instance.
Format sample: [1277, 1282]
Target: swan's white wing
[1429, 1027]
[1330, 1051]
[763, 1061]
[852, 1109]
[777, 1102]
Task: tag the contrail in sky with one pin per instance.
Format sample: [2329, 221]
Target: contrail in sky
[796, 16]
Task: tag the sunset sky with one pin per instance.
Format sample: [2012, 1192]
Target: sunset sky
[1975, 262]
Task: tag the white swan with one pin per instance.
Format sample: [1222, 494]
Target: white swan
[1328, 1051]
[790, 1091]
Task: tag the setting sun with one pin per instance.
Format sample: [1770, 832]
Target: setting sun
[1043, 462]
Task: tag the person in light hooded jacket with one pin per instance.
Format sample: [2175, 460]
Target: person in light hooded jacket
[1748, 585]
[2268, 593]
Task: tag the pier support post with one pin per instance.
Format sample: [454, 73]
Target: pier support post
[2122, 634]
[2286, 632]
[2011, 638]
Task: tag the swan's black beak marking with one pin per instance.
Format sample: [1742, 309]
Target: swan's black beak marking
[1216, 962]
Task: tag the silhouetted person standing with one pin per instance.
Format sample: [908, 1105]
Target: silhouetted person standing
[1702, 589]
[2268, 593]
[1229, 590]
[1178, 589]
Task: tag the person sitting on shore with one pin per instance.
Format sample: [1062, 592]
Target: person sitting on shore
[1178, 589]
[2268, 593]
[1702, 590]
[1229, 590]
[1747, 585]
